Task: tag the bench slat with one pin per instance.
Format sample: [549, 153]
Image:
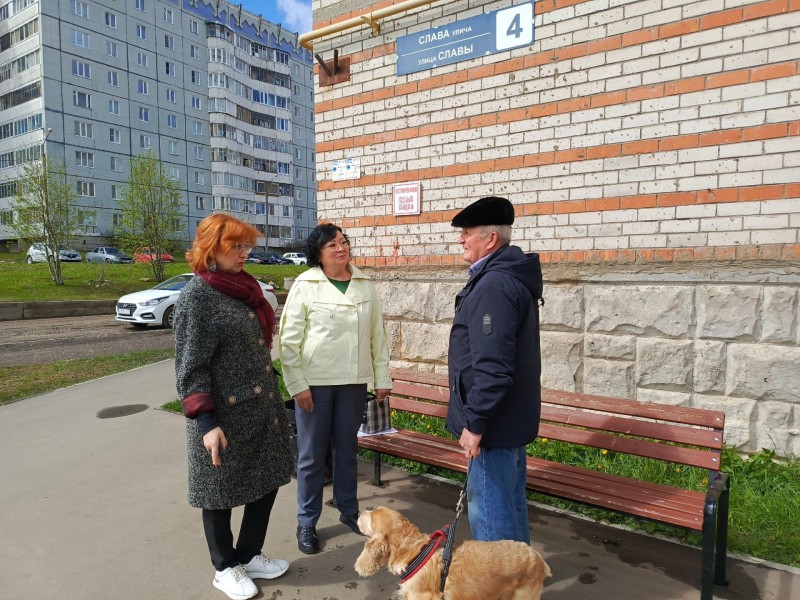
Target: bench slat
[596, 439]
[420, 391]
[423, 408]
[667, 432]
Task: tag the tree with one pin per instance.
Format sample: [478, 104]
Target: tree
[45, 207]
[152, 208]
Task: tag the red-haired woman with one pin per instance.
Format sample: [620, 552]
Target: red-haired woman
[237, 432]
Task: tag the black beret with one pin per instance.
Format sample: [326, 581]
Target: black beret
[490, 210]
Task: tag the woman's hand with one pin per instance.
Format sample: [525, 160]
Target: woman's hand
[214, 441]
[304, 400]
[381, 395]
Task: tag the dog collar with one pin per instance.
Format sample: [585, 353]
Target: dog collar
[425, 554]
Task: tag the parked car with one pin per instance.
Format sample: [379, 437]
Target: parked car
[257, 257]
[107, 254]
[146, 255]
[297, 258]
[273, 258]
[156, 305]
[39, 252]
[267, 258]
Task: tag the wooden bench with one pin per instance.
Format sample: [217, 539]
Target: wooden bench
[673, 434]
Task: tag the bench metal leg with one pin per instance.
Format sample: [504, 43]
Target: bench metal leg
[721, 558]
[376, 477]
[707, 565]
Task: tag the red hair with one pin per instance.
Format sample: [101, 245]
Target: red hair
[218, 233]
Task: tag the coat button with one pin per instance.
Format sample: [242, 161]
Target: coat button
[271, 395]
[251, 314]
[257, 389]
[232, 400]
[276, 421]
[260, 341]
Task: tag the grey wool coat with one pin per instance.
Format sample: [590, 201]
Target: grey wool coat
[220, 348]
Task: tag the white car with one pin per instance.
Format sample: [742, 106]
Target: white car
[156, 306]
[38, 252]
[297, 258]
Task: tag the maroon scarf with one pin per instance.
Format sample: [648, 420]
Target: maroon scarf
[244, 287]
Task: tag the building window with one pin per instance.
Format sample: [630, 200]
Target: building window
[81, 99]
[196, 77]
[111, 20]
[144, 141]
[113, 107]
[172, 121]
[199, 203]
[113, 78]
[114, 136]
[140, 5]
[168, 17]
[116, 218]
[198, 153]
[141, 31]
[170, 69]
[193, 26]
[84, 159]
[84, 129]
[170, 95]
[80, 38]
[141, 59]
[143, 87]
[286, 210]
[196, 104]
[198, 127]
[169, 42]
[86, 188]
[115, 164]
[144, 114]
[174, 173]
[111, 49]
[199, 178]
[114, 197]
[80, 8]
[81, 69]
[173, 148]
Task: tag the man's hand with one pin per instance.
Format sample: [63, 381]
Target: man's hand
[304, 400]
[381, 395]
[215, 441]
[470, 442]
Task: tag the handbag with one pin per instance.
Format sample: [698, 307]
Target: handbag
[377, 415]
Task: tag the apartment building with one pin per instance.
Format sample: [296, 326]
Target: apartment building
[222, 96]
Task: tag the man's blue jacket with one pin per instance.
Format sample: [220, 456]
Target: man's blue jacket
[494, 358]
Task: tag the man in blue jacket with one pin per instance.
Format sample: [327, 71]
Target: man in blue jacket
[495, 366]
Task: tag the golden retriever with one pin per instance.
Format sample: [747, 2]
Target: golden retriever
[503, 570]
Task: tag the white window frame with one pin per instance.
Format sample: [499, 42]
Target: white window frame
[113, 107]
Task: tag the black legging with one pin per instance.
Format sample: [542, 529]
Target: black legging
[253, 531]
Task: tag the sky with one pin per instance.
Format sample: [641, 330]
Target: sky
[294, 15]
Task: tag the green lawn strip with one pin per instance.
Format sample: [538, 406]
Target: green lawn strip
[21, 282]
[17, 383]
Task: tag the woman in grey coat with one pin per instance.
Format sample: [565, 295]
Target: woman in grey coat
[236, 429]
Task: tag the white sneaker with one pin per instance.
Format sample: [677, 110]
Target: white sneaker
[264, 567]
[235, 583]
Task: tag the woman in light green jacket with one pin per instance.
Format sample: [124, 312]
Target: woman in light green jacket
[332, 346]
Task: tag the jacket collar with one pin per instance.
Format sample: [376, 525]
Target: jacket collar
[316, 274]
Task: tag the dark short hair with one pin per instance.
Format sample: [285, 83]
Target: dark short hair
[319, 236]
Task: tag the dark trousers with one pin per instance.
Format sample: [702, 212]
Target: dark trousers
[253, 531]
[334, 423]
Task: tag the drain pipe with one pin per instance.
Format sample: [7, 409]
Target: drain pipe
[371, 18]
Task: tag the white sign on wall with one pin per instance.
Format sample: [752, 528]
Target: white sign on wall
[349, 168]
[406, 198]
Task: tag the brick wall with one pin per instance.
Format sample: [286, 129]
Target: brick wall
[654, 139]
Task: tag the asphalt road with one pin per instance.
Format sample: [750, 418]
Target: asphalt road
[34, 341]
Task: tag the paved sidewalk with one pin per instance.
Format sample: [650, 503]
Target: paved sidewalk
[94, 508]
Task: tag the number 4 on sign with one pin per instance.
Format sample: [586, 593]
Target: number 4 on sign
[514, 27]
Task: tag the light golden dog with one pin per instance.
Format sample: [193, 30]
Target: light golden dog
[502, 570]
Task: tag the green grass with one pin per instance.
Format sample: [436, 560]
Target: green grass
[20, 282]
[17, 383]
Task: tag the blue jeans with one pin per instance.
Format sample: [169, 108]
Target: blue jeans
[496, 502]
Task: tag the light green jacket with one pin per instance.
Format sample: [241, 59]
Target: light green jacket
[330, 338]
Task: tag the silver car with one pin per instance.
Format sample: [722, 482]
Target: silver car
[108, 254]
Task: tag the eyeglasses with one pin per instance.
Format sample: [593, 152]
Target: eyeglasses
[239, 247]
[345, 243]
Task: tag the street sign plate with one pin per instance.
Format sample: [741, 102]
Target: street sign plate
[471, 38]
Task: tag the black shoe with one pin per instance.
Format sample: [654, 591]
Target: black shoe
[307, 540]
[351, 522]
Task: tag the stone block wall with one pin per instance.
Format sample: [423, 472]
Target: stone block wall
[728, 342]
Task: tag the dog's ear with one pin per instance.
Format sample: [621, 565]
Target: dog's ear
[373, 556]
